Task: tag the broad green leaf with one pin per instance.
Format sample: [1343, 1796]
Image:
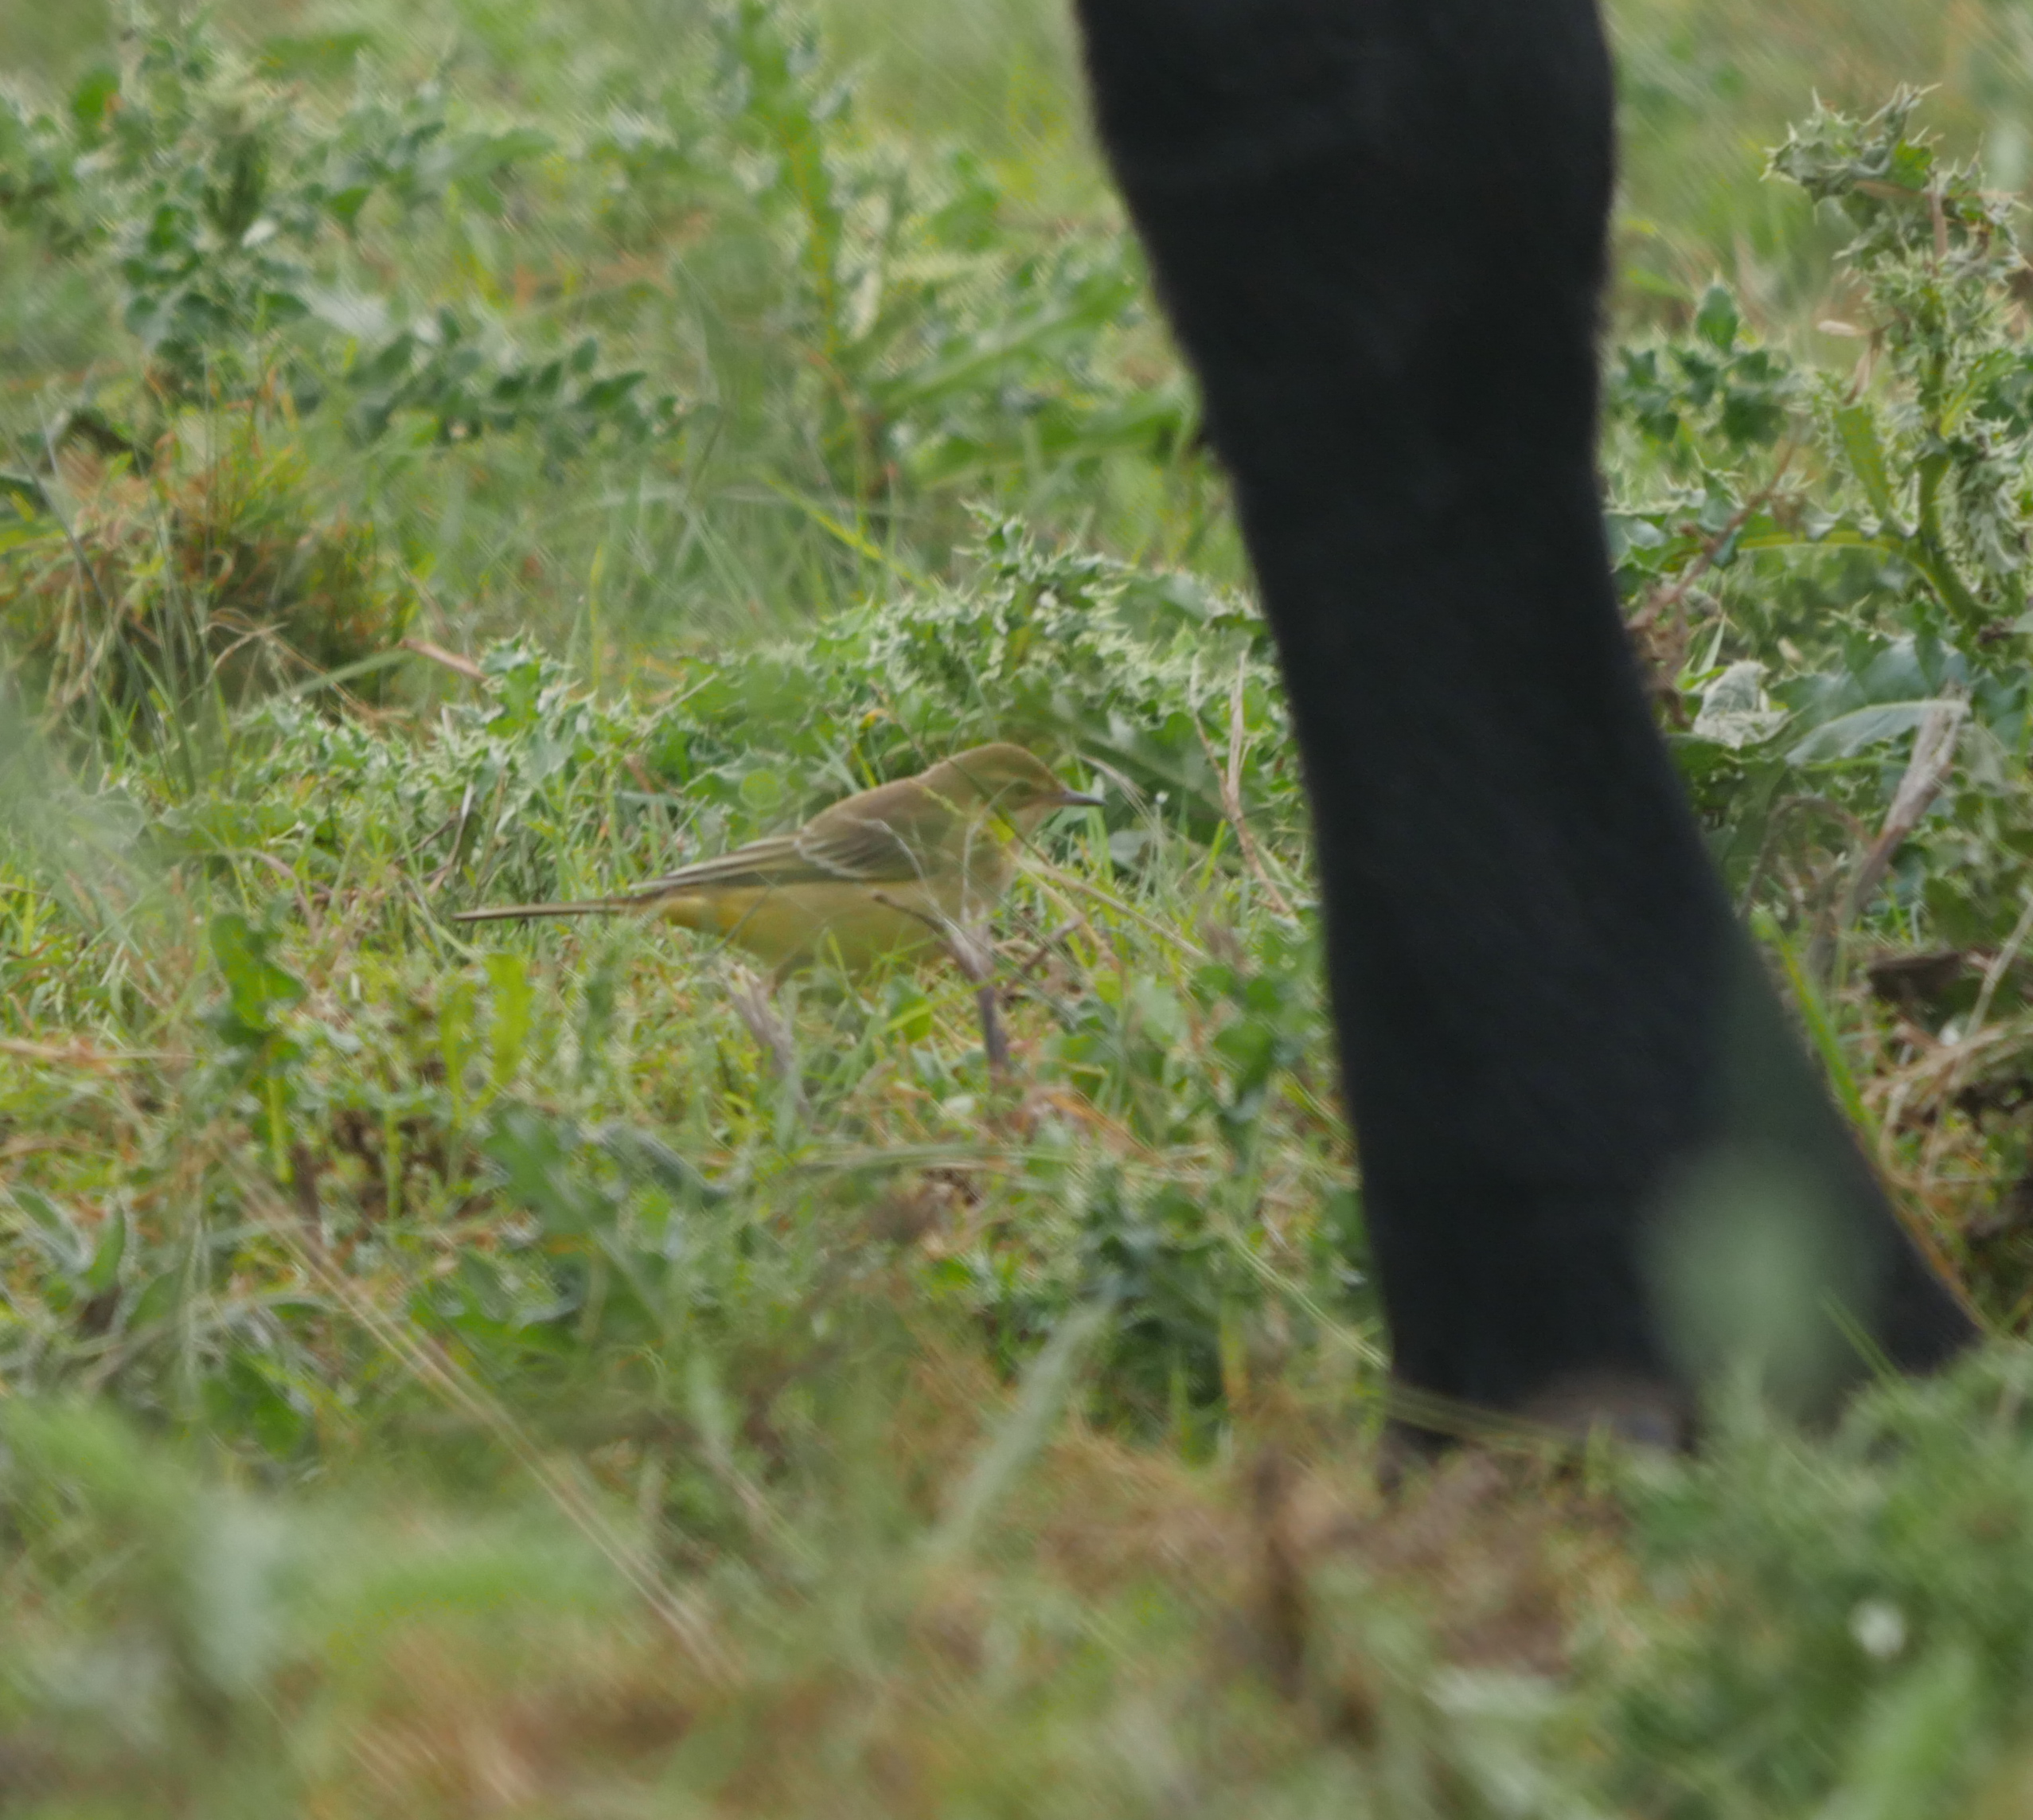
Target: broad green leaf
[1716, 318]
[1858, 429]
[511, 997]
[1849, 734]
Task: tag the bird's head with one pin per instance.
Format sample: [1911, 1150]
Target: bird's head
[1005, 780]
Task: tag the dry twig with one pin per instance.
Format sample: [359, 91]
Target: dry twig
[463, 667]
[1230, 777]
[1927, 774]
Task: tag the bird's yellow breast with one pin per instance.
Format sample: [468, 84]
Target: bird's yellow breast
[854, 924]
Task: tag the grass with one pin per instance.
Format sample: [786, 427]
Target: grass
[506, 1374]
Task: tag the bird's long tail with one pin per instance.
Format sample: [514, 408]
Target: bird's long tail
[519, 912]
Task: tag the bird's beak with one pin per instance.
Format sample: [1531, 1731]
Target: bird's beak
[1077, 799]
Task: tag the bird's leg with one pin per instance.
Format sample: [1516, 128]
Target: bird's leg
[970, 948]
[994, 1042]
[967, 947]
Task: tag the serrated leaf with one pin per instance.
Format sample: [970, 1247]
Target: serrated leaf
[1858, 431]
[1734, 711]
[1716, 318]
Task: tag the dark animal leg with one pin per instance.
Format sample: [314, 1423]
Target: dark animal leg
[968, 949]
[1594, 1154]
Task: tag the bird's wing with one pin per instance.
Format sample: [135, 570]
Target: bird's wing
[891, 836]
[826, 851]
[894, 834]
[758, 865]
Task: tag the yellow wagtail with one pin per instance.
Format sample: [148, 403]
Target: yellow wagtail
[893, 869]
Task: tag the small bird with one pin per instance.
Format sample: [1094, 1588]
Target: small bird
[894, 869]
